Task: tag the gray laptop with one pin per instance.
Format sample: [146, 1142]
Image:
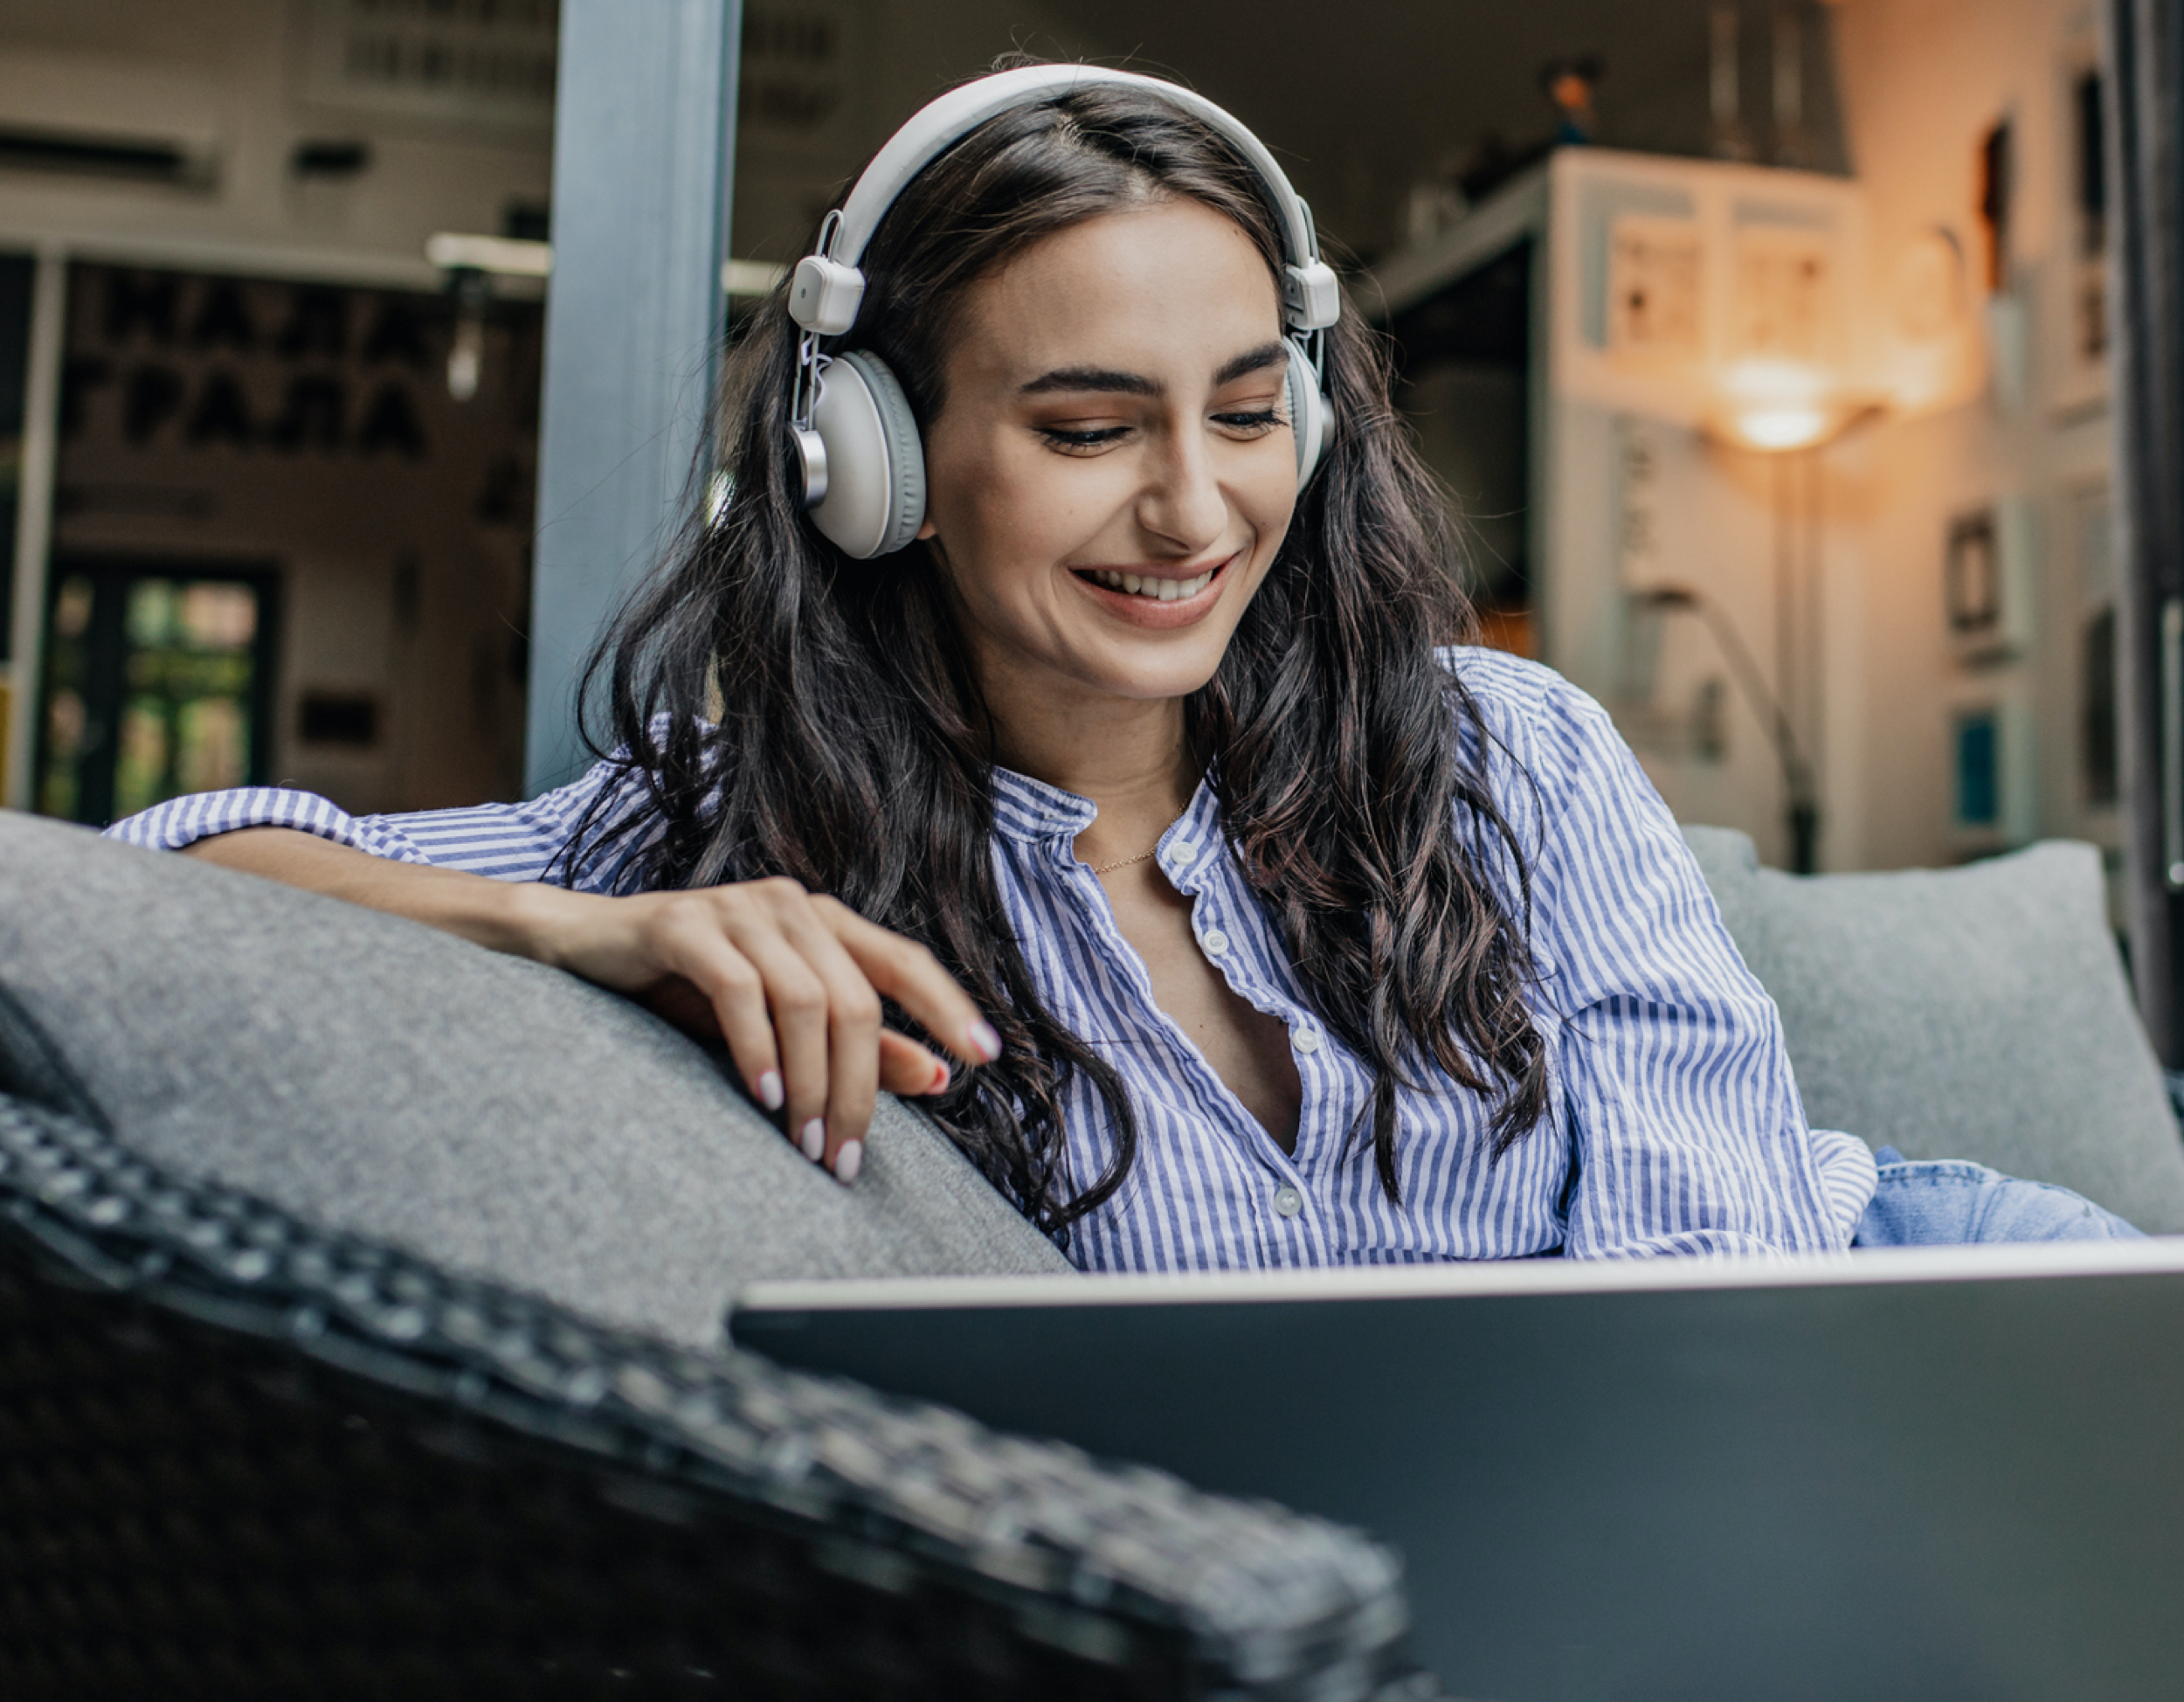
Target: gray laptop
[1924, 1475]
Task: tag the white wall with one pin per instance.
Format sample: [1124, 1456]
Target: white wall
[237, 69]
[1922, 81]
[824, 82]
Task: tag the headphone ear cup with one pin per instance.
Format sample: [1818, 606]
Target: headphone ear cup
[876, 462]
[1311, 417]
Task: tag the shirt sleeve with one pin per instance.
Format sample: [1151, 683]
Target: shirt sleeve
[1849, 1172]
[506, 842]
[1670, 1069]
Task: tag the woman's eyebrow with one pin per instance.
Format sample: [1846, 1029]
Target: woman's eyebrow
[1092, 377]
[1135, 383]
[1253, 360]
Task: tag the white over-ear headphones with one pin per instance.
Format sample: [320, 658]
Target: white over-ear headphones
[864, 468]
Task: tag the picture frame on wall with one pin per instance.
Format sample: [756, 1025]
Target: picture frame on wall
[1991, 758]
[1972, 587]
[1989, 582]
[2077, 310]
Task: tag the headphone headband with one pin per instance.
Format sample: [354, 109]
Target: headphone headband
[827, 286]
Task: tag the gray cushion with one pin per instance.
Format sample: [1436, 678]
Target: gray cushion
[498, 1118]
[1976, 1012]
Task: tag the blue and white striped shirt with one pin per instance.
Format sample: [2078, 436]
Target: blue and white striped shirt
[1674, 1126]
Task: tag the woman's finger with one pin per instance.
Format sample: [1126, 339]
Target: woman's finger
[907, 972]
[720, 993]
[785, 976]
[908, 1068]
[853, 1030]
[733, 989]
[796, 1001]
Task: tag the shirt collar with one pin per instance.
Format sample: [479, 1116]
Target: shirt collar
[1033, 812]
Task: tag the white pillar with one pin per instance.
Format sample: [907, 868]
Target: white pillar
[644, 144]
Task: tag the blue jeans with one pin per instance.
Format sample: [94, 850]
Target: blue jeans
[1946, 1201]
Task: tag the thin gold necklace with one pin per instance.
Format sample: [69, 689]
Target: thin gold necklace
[1109, 868]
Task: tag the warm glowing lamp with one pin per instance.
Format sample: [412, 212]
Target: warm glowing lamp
[1777, 405]
[1795, 426]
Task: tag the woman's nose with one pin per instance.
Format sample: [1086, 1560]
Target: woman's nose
[1183, 502]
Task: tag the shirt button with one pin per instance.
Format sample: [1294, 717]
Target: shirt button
[1308, 1041]
[1288, 1201]
[1181, 849]
[1216, 942]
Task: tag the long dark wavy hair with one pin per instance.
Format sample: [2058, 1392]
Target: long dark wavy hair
[793, 712]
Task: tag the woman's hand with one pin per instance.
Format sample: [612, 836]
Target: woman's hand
[791, 980]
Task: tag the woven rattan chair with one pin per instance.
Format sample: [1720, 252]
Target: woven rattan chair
[240, 1458]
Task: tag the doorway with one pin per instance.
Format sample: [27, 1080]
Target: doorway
[160, 679]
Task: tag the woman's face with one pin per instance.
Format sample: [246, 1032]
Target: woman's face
[1112, 469]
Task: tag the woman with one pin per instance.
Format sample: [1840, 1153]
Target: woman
[1260, 930]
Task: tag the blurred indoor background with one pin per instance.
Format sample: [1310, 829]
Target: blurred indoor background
[1765, 348]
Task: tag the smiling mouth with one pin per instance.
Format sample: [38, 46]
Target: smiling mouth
[1151, 587]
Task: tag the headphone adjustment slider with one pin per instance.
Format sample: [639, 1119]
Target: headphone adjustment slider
[1311, 295]
[824, 295]
[810, 446]
[810, 452]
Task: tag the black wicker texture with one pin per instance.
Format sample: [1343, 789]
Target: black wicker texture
[239, 1456]
[185, 1513]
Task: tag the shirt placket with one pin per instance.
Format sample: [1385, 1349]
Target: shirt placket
[1232, 934]
[1280, 1208]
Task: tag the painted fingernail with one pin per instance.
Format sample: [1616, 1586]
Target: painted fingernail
[983, 1041]
[849, 1161]
[814, 1140]
[770, 1093]
[940, 1076]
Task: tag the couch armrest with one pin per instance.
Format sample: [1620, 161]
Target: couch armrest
[1002, 1561]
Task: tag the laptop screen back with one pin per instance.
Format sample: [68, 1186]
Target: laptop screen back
[1913, 1475]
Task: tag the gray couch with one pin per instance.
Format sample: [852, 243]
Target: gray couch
[1978, 1012]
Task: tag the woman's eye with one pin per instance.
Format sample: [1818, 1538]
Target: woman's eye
[1063, 437]
[1249, 423]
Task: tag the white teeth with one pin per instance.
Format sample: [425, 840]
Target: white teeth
[1145, 584]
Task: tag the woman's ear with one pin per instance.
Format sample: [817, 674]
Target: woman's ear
[927, 530]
